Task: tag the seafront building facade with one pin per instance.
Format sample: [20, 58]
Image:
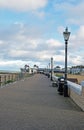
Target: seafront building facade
[77, 70]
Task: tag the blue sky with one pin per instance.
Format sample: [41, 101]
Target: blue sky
[31, 32]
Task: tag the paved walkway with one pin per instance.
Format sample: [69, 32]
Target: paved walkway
[33, 104]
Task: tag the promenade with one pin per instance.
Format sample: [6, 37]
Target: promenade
[33, 104]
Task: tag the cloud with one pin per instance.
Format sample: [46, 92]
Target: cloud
[80, 33]
[60, 30]
[77, 40]
[23, 5]
[19, 45]
[15, 65]
[76, 47]
[40, 14]
[53, 43]
[75, 60]
[72, 11]
[19, 48]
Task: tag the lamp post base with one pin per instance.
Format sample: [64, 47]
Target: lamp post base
[51, 79]
[65, 90]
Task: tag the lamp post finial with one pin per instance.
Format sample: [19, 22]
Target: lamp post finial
[66, 29]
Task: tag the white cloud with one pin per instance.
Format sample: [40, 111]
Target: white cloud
[23, 5]
[80, 33]
[11, 65]
[73, 12]
[76, 47]
[15, 65]
[40, 14]
[53, 43]
[21, 48]
[60, 29]
[76, 60]
[77, 40]
[18, 53]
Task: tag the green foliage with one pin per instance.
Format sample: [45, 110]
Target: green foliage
[28, 75]
[8, 81]
[58, 74]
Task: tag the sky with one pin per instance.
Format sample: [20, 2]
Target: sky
[31, 32]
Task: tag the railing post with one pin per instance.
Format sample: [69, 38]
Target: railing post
[5, 79]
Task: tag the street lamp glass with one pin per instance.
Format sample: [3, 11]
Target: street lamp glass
[66, 34]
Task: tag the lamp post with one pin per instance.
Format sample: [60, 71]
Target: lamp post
[66, 35]
[51, 67]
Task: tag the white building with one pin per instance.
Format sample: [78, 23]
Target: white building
[77, 70]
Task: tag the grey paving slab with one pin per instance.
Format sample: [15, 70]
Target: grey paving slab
[33, 104]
